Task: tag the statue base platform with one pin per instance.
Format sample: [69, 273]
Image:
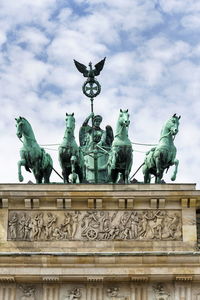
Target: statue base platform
[99, 242]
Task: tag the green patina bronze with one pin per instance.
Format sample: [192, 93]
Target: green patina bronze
[95, 145]
[33, 157]
[121, 157]
[101, 156]
[163, 155]
[70, 157]
[95, 142]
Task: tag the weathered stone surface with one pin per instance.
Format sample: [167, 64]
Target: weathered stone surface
[61, 250]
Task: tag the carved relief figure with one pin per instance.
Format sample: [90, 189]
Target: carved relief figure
[74, 222]
[160, 293]
[134, 225]
[28, 293]
[13, 226]
[95, 225]
[24, 229]
[37, 226]
[75, 294]
[113, 294]
[49, 228]
[67, 226]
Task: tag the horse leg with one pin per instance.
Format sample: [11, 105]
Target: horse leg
[47, 174]
[125, 176]
[38, 177]
[176, 163]
[146, 173]
[21, 163]
[159, 172]
[114, 175]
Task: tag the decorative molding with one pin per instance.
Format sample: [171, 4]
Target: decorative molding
[184, 278]
[50, 278]
[94, 225]
[7, 279]
[139, 278]
[95, 279]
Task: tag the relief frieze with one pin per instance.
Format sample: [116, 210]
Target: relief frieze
[95, 225]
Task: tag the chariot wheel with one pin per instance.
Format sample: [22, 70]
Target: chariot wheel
[91, 234]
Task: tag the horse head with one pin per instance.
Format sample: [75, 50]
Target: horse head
[124, 118]
[173, 124]
[70, 123]
[19, 125]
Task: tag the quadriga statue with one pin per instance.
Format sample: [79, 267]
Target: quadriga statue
[33, 157]
[161, 157]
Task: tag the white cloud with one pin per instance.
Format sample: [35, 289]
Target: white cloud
[150, 71]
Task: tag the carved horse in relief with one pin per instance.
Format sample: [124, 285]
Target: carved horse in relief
[163, 155]
[70, 158]
[121, 156]
[33, 157]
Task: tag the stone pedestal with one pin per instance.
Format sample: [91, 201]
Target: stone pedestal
[99, 242]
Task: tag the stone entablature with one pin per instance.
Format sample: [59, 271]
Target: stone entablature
[99, 242]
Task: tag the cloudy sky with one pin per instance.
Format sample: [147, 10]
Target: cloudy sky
[152, 68]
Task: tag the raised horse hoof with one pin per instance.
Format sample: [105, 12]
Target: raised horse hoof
[21, 178]
[173, 178]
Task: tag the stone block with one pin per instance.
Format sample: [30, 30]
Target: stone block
[27, 203]
[60, 203]
[68, 203]
[154, 203]
[91, 203]
[36, 203]
[4, 203]
[193, 202]
[161, 203]
[121, 203]
[184, 202]
[130, 203]
[99, 203]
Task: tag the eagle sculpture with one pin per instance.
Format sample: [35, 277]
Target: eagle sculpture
[91, 73]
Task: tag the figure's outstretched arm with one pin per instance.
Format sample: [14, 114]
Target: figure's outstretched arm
[85, 123]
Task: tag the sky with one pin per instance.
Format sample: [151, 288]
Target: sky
[152, 68]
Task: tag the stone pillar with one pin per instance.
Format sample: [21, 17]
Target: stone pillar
[7, 292]
[183, 291]
[50, 292]
[189, 225]
[138, 292]
[133, 292]
[94, 292]
[100, 292]
[139, 289]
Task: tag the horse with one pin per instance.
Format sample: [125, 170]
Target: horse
[33, 157]
[121, 156]
[70, 157]
[163, 155]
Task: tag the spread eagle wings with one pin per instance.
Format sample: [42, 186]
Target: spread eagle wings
[83, 69]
